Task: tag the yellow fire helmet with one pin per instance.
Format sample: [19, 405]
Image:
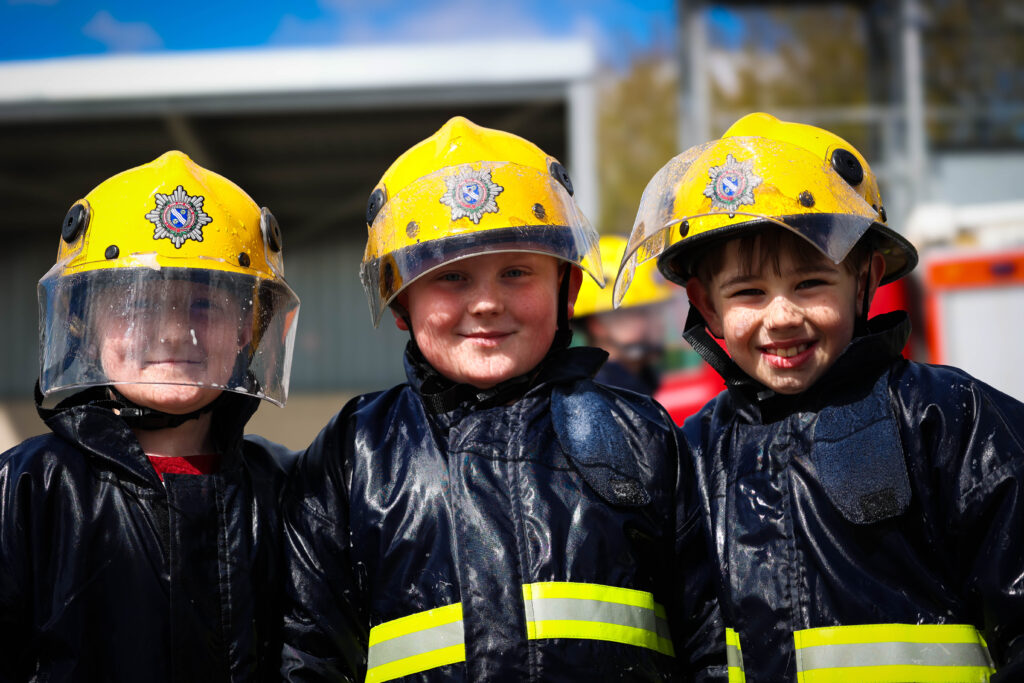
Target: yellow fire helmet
[464, 191]
[762, 171]
[176, 265]
[649, 286]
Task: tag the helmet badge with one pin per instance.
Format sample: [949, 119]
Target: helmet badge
[178, 217]
[732, 184]
[471, 194]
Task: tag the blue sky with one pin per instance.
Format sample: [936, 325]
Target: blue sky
[34, 29]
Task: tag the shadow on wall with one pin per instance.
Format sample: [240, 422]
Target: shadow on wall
[294, 426]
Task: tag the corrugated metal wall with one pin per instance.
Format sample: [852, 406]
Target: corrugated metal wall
[22, 265]
[336, 344]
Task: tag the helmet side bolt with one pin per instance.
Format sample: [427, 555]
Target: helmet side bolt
[881, 214]
[412, 229]
[74, 223]
[271, 229]
[112, 252]
[684, 228]
[561, 175]
[847, 166]
[243, 260]
[806, 199]
[539, 212]
[374, 204]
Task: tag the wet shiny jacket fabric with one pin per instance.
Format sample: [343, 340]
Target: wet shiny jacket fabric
[543, 539]
[888, 496]
[107, 574]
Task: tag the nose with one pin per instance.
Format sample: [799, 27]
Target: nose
[486, 299]
[173, 325]
[782, 313]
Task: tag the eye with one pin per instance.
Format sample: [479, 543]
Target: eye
[204, 306]
[811, 282]
[450, 276]
[746, 292]
[515, 272]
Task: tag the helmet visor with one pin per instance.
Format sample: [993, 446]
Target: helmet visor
[170, 327]
[472, 209]
[724, 187]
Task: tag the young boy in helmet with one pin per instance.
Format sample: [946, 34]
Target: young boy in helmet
[634, 333]
[867, 511]
[500, 517]
[137, 539]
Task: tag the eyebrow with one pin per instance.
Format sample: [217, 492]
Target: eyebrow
[809, 269]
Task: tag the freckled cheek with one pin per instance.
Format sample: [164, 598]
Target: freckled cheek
[739, 324]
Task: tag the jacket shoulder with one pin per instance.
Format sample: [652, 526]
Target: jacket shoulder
[264, 453]
[951, 390]
[960, 425]
[40, 452]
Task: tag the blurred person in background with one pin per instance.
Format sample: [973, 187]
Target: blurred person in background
[634, 333]
[139, 537]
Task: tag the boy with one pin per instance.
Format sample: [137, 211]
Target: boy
[867, 511]
[634, 334]
[134, 537]
[501, 517]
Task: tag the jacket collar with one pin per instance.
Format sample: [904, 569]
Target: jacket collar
[87, 420]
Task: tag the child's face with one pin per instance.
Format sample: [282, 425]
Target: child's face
[175, 332]
[784, 329]
[488, 318]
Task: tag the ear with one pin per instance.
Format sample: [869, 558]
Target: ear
[398, 307]
[876, 271]
[700, 299]
[575, 281]
[400, 321]
[245, 334]
[245, 331]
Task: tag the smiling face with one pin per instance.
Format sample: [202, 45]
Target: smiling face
[174, 342]
[488, 318]
[786, 322]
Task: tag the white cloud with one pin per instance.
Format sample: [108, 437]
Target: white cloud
[121, 36]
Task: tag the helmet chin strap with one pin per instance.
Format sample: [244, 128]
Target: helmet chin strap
[860, 325]
[143, 417]
[563, 335]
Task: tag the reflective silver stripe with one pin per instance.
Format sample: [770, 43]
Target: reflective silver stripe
[891, 654]
[734, 656]
[417, 643]
[599, 611]
[414, 643]
[935, 653]
[557, 609]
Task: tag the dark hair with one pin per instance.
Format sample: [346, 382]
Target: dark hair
[760, 248]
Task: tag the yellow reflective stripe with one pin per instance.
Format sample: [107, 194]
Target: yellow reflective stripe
[928, 653]
[734, 656]
[416, 643]
[558, 609]
[416, 664]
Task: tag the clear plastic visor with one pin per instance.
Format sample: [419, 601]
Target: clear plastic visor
[170, 327]
[768, 181]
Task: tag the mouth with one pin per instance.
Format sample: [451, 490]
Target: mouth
[173, 361]
[486, 337]
[789, 355]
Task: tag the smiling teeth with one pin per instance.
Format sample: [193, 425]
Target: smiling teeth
[789, 351]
